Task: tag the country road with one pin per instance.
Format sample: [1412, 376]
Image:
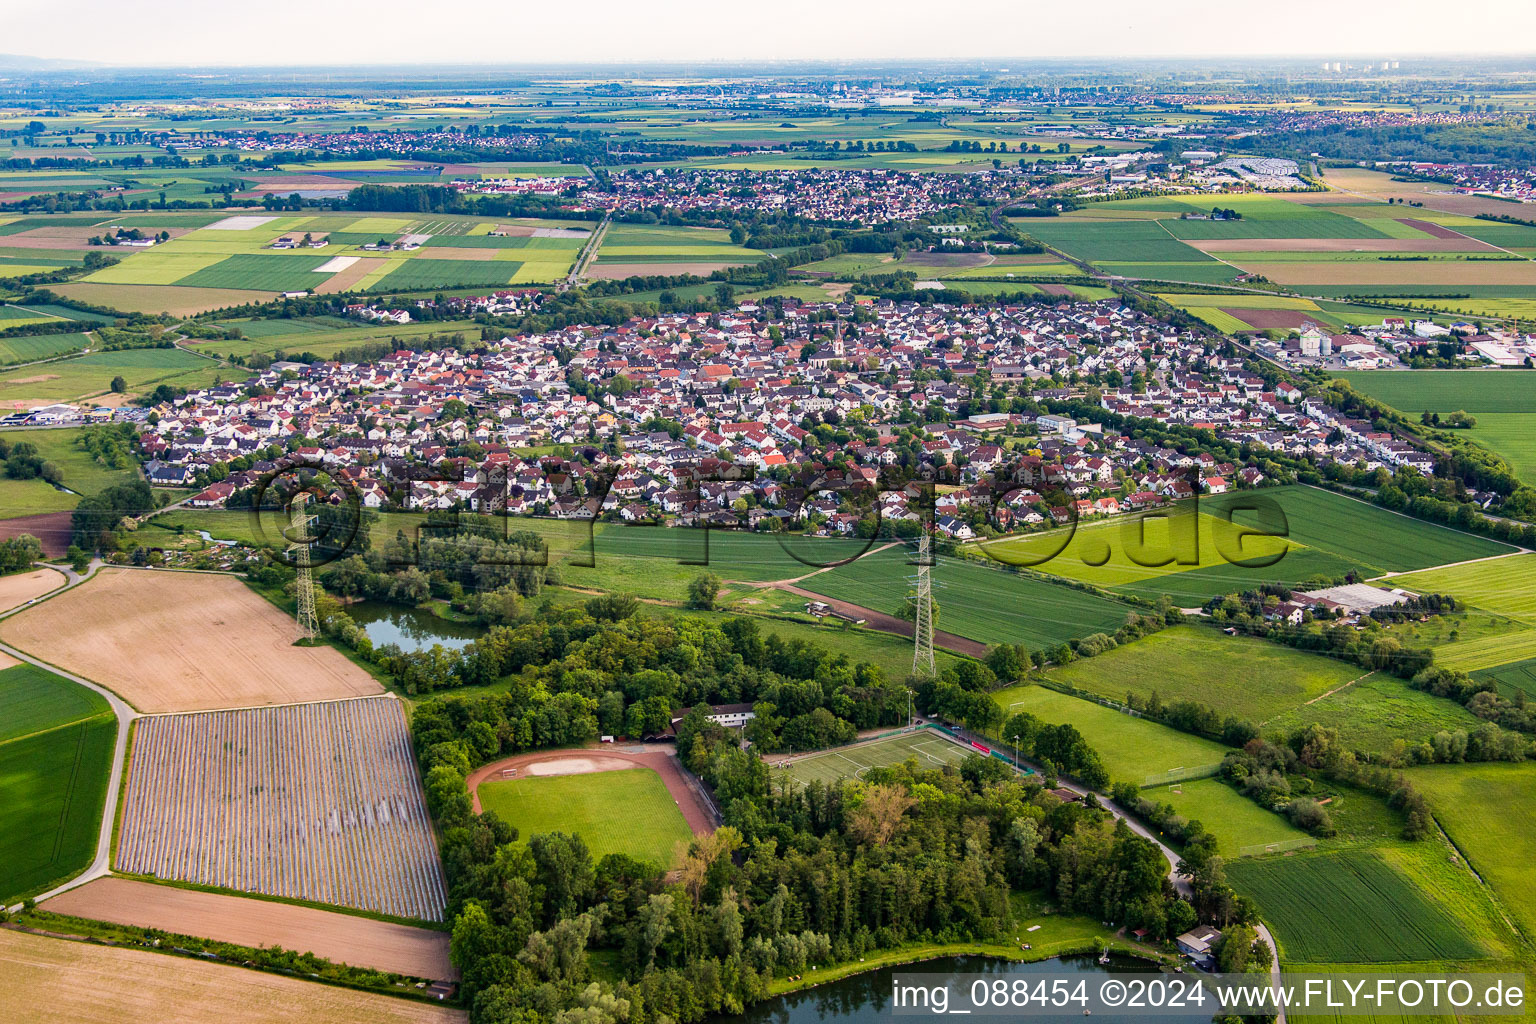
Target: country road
[125, 715]
[1179, 882]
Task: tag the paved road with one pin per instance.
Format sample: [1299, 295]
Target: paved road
[125, 715]
[1180, 882]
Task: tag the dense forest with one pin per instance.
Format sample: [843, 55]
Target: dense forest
[795, 878]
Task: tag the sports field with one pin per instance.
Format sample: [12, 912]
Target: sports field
[1489, 810]
[626, 811]
[1350, 907]
[931, 750]
[55, 754]
[1133, 749]
[1241, 676]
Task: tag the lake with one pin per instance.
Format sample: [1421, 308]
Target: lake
[866, 998]
[411, 629]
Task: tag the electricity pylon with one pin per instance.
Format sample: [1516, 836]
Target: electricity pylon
[309, 625]
[922, 634]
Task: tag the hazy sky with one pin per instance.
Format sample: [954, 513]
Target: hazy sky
[498, 31]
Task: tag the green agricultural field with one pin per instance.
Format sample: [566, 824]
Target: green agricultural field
[71, 379]
[1133, 749]
[1351, 907]
[43, 346]
[313, 336]
[1324, 534]
[1515, 677]
[1499, 624]
[55, 756]
[1374, 712]
[627, 811]
[931, 749]
[1131, 241]
[656, 243]
[81, 471]
[1209, 272]
[36, 700]
[1243, 676]
[771, 609]
[287, 326]
[430, 273]
[1475, 391]
[985, 603]
[1512, 435]
[1502, 401]
[1502, 586]
[1489, 810]
[260, 272]
[1236, 821]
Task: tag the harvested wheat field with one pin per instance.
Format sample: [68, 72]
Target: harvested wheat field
[315, 802]
[175, 641]
[350, 276]
[51, 981]
[21, 587]
[339, 938]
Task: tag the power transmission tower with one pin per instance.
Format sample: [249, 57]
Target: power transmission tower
[309, 626]
[922, 635]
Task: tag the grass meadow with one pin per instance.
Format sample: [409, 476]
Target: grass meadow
[1236, 821]
[1489, 811]
[88, 375]
[1134, 749]
[1242, 676]
[1373, 712]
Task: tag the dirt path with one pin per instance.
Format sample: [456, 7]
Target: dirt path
[890, 623]
[1343, 686]
[761, 584]
[1449, 565]
[685, 792]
